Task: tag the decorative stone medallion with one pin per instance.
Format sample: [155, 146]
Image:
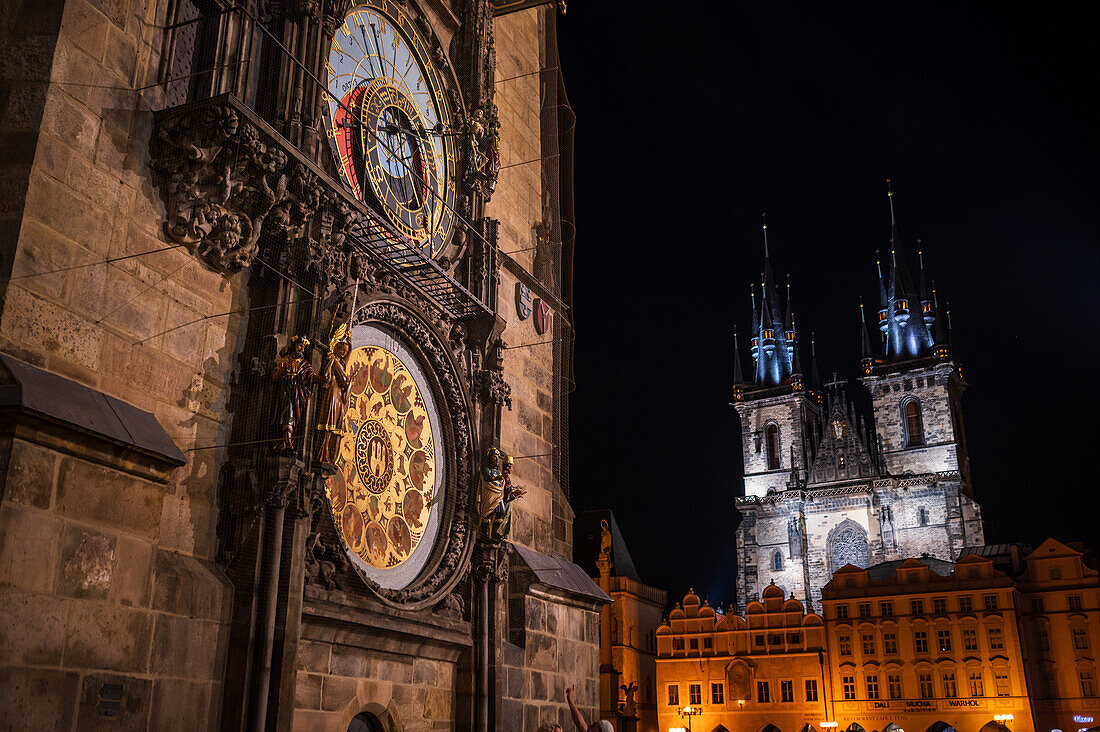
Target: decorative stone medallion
[388, 491]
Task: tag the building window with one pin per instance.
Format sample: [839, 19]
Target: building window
[926, 690]
[914, 430]
[1074, 602]
[868, 644]
[1080, 640]
[694, 644]
[673, 694]
[976, 686]
[849, 687]
[943, 640]
[886, 608]
[990, 602]
[759, 639]
[708, 643]
[717, 694]
[1056, 573]
[920, 641]
[864, 609]
[950, 688]
[1000, 680]
[1088, 683]
[763, 696]
[811, 689]
[777, 562]
[695, 694]
[771, 438]
[939, 605]
[1037, 605]
[775, 639]
[1044, 639]
[893, 685]
[872, 686]
[845, 645]
[890, 643]
[677, 644]
[996, 639]
[966, 604]
[916, 607]
[786, 691]
[970, 639]
[923, 517]
[841, 612]
[794, 638]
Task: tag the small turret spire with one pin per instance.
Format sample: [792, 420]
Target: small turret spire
[738, 377]
[923, 276]
[941, 336]
[881, 283]
[815, 375]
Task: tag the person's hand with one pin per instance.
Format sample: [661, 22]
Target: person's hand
[569, 692]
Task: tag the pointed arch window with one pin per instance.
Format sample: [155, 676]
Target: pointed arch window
[914, 425]
[771, 444]
[777, 562]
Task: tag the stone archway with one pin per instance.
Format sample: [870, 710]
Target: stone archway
[994, 726]
[847, 544]
[769, 728]
[941, 726]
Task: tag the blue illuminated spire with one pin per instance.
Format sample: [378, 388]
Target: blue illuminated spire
[773, 336]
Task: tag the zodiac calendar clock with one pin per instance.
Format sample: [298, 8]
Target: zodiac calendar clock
[388, 123]
[388, 492]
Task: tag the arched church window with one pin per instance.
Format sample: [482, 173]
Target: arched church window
[914, 428]
[771, 440]
[777, 562]
[923, 517]
[364, 722]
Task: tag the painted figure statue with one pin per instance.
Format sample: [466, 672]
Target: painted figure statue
[294, 378]
[497, 493]
[334, 381]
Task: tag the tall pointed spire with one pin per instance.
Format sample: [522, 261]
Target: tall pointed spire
[881, 282]
[796, 364]
[941, 335]
[772, 346]
[923, 275]
[738, 378]
[815, 375]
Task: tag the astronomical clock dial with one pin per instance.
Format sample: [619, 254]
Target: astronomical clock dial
[387, 493]
[386, 118]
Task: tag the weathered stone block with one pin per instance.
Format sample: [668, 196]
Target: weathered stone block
[186, 586]
[32, 627]
[30, 474]
[336, 692]
[436, 703]
[347, 661]
[87, 491]
[110, 702]
[184, 647]
[542, 652]
[307, 691]
[47, 328]
[37, 699]
[183, 706]
[313, 656]
[133, 572]
[107, 637]
[87, 562]
[29, 548]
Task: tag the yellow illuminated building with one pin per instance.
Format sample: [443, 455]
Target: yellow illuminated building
[742, 673]
[924, 645]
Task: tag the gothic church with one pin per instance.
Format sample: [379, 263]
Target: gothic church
[825, 487]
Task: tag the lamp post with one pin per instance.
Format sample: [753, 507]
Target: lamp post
[689, 712]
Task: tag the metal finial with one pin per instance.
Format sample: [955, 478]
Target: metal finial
[765, 228]
[890, 198]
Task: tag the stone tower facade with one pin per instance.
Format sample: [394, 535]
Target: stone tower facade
[825, 485]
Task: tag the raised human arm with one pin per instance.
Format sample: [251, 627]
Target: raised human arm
[578, 719]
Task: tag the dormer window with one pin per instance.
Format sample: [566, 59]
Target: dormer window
[901, 305]
[881, 315]
[927, 307]
[768, 334]
[771, 443]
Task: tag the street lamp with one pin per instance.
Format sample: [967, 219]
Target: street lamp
[689, 712]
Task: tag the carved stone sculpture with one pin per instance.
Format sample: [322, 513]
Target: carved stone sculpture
[294, 379]
[496, 493]
[333, 398]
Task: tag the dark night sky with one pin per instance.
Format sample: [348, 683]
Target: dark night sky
[691, 122]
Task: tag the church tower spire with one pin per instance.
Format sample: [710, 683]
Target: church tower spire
[772, 341]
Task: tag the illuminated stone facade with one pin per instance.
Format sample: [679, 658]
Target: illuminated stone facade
[174, 219]
[826, 485]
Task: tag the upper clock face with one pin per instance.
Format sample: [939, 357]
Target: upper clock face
[386, 116]
[388, 491]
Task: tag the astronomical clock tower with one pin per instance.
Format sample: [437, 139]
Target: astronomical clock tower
[285, 341]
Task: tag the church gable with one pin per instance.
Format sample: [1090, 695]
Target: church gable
[841, 454]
